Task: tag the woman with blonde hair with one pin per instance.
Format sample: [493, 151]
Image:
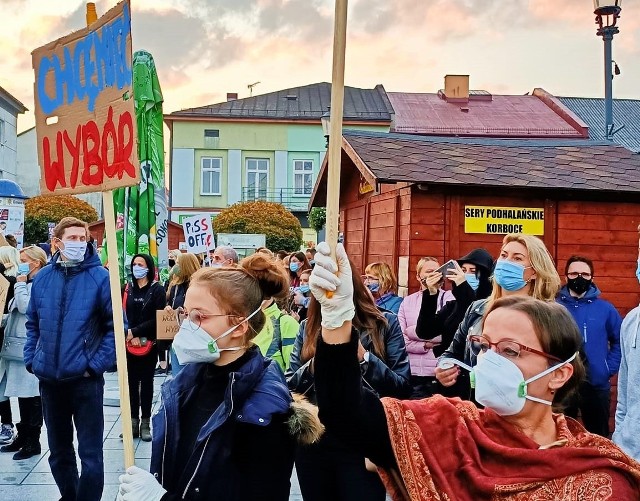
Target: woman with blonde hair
[16, 380]
[9, 262]
[524, 268]
[383, 284]
[186, 265]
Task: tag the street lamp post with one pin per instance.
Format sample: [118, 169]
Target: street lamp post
[607, 13]
[325, 120]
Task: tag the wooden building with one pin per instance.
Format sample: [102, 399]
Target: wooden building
[403, 197]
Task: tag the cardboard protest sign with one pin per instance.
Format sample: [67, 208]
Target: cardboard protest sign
[84, 108]
[198, 233]
[166, 325]
[4, 289]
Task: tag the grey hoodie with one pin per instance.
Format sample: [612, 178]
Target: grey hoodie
[627, 434]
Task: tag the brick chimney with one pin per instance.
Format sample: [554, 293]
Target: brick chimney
[232, 96]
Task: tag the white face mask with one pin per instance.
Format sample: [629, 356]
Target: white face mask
[501, 386]
[140, 271]
[73, 250]
[194, 346]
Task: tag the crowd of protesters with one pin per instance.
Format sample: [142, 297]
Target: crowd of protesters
[454, 390]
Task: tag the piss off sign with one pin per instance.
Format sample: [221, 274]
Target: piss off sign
[84, 108]
[198, 233]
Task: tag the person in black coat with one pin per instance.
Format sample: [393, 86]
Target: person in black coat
[470, 283]
[145, 296]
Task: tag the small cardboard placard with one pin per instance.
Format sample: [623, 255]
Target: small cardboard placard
[166, 325]
[198, 233]
[84, 108]
[4, 289]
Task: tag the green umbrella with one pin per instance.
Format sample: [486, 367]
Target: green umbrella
[141, 211]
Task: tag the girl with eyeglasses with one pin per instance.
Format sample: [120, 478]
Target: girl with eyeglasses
[228, 427]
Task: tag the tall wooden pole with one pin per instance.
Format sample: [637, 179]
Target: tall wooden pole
[116, 302]
[335, 131]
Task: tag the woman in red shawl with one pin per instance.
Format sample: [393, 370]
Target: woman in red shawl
[515, 448]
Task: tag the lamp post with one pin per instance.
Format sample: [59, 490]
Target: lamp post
[325, 120]
[607, 13]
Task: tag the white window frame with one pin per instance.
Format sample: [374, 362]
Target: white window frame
[249, 171]
[212, 168]
[298, 170]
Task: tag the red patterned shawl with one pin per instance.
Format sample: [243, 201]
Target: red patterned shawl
[448, 449]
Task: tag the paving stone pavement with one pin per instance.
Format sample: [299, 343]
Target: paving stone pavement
[31, 479]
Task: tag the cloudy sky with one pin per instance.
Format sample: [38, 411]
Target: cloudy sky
[206, 48]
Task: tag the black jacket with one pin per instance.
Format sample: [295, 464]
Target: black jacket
[459, 348]
[446, 321]
[177, 295]
[142, 303]
[387, 378]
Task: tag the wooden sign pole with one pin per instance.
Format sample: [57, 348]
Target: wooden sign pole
[116, 302]
[335, 132]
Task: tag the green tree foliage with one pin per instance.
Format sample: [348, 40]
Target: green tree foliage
[36, 230]
[281, 228]
[317, 218]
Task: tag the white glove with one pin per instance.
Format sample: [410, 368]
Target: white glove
[139, 485]
[328, 275]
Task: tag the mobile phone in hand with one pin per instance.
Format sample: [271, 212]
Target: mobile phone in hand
[444, 269]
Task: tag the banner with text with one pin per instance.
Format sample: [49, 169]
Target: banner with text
[198, 233]
[84, 108]
[501, 220]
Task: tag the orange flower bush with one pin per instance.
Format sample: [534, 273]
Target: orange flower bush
[281, 228]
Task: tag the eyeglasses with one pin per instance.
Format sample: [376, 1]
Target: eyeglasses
[574, 274]
[194, 317]
[369, 278]
[505, 347]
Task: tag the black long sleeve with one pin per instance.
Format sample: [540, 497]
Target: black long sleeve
[353, 413]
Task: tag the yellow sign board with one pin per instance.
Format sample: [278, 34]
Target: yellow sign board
[501, 220]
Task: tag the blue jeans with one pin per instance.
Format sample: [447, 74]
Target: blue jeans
[65, 404]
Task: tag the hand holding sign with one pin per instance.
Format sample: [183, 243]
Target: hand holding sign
[198, 233]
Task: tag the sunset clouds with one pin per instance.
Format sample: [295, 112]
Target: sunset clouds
[206, 48]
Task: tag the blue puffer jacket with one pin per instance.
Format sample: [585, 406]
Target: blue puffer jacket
[70, 321]
[599, 323]
[256, 394]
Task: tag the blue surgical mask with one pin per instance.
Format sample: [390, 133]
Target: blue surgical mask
[294, 267]
[638, 272]
[304, 289]
[312, 262]
[373, 287]
[73, 250]
[472, 280]
[509, 275]
[140, 271]
[24, 269]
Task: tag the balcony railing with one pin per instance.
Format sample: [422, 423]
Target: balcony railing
[292, 200]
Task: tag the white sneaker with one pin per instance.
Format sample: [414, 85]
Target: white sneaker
[7, 434]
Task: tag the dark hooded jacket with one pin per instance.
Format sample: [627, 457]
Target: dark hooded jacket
[446, 321]
[142, 303]
[245, 450]
[70, 321]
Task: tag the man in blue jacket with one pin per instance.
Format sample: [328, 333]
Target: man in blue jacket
[599, 322]
[70, 344]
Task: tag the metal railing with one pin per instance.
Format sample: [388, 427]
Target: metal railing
[285, 196]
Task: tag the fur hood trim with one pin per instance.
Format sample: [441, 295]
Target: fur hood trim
[304, 423]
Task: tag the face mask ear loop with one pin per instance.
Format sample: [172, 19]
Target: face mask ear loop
[522, 389]
[229, 331]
